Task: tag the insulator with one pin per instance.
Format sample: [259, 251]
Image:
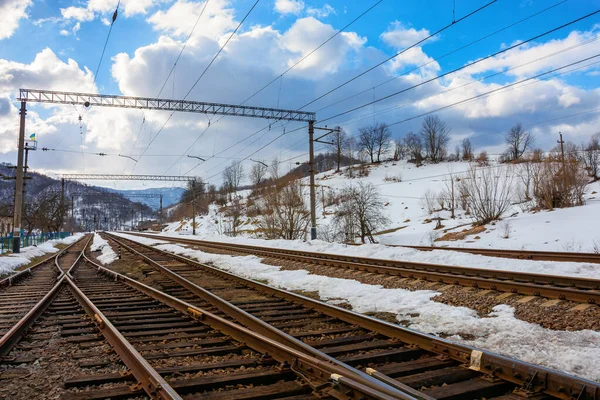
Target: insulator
[115, 15]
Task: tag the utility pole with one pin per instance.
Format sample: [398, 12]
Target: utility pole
[564, 169]
[160, 212]
[194, 207]
[62, 203]
[19, 183]
[73, 211]
[311, 170]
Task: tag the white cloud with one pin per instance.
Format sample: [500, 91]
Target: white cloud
[289, 6]
[11, 12]
[101, 7]
[179, 19]
[399, 37]
[322, 12]
[73, 31]
[45, 71]
[77, 13]
[540, 55]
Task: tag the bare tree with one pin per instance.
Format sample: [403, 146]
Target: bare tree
[232, 177]
[591, 156]
[234, 213]
[414, 147]
[518, 140]
[274, 169]
[467, 150]
[258, 173]
[361, 212]
[282, 212]
[375, 140]
[339, 141]
[435, 135]
[487, 192]
[400, 150]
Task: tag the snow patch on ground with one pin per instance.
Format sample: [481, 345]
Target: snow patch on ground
[575, 353]
[10, 262]
[108, 255]
[446, 257]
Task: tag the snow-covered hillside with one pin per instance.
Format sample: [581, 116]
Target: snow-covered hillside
[402, 187]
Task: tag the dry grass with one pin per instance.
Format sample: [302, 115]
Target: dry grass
[454, 236]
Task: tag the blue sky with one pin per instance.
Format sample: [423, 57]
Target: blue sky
[55, 41]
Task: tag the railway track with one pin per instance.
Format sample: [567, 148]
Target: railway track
[97, 334]
[520, 254]
[422, 365]
[582, 290]
[21, 291]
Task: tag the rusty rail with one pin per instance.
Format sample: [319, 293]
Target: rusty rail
[533, 378]
[322, 372]
[582, 290]
[257, 325]
[19, 275]
[561, 256]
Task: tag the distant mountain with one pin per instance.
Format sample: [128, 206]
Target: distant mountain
[88, 207]
[170, 196]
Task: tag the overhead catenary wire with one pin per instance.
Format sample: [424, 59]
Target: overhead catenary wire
[279, 77]
[463, 67]
[379, 64]
[201, 75]
[398, 54]
[114, 18]
[436, 59]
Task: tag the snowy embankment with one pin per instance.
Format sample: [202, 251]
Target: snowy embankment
[108, 255]
[445, 257]
[10, 262]
[403, 186]
[575, 353]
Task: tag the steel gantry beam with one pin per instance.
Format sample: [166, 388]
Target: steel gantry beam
[146, 103]
[107, 177]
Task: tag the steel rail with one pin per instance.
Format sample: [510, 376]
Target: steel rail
[21, 274]
[14, 335]
[394, 388]
[538, 255]
[583, 290]
[319, 371]
[533, 378]
[153, 384]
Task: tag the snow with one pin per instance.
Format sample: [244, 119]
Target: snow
[575, 353]
[446, 257]
[10, 262]
[108, 255]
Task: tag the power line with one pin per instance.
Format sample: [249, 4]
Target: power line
[496, 90]
[399, 53]
[463, 67]
[114, 18]
[183, 48]
[444, 55]
[315, 50]
[395, 107]
[390, 58]
[201, 75]
[274, 80]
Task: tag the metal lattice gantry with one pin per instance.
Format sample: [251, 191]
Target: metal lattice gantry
[146, 103]
[108, 177]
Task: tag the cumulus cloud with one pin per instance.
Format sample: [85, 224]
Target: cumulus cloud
[45, 71]
[11, 12]
[322, 12]
[179, 19]
[541, 56]
[289, 6]
[101, 7]
[399, 36]
[77, 13]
